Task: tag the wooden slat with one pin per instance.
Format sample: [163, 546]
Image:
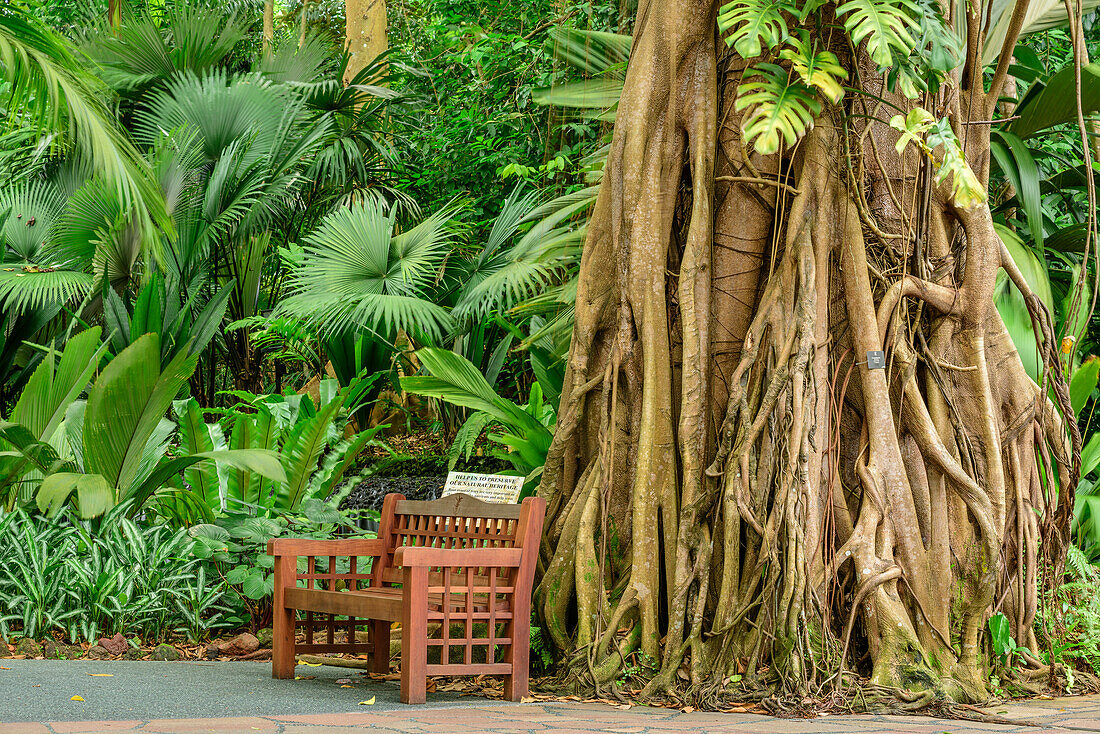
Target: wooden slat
[473, 557]
[476, 641]
[363, 604]
[311, 547]
[358, 648]
[473, 669]
[461, 505]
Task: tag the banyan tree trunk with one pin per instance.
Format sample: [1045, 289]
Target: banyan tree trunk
[737, 499]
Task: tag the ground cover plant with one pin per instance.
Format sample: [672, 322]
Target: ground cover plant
[786, 308]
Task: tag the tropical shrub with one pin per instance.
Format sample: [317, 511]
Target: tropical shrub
[527, 430]
[62, 573]
[114, 446]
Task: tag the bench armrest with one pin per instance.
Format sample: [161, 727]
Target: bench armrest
[424, 557]
[308, 547]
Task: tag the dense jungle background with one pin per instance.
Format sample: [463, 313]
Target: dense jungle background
[787, 308]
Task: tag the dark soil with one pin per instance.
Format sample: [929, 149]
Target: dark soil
[416, 477]
[370, 492]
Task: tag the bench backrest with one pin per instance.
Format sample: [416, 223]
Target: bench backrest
[454, 521]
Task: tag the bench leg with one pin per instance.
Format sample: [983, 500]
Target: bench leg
[516, 684]
[282, 627]
[380, 658]
[414, 635]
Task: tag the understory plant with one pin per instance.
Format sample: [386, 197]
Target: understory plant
[113, 447]
[95, 578]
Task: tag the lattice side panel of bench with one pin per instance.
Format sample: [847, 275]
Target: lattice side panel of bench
[319, 632]
[470, 611]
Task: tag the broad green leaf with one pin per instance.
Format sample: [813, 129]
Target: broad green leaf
[1055, 103]
[754, 25]
[1010, 303]
[821, 70]
[886, 25]
[257, 461]
[1083, 384]
[194, 437]
[781, 109]
[456, 380]
[53, 386]
[94, 495]
[1019, 167]
[125, 406]
[300, 454]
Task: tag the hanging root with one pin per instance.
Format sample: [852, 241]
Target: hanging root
[741, 500]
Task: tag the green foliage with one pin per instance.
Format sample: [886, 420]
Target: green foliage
[51, 86]
[312, 451]
[357, 273]
[115, 445]
[887, 27]
[780, 109]
[1004, 646]
[938, 141]
[236, 547]
[56, 573]
[527, 428]
[755, 25]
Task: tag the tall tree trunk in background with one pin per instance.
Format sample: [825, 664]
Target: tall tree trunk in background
[304, 24]
[269, 25]
[366, 33]
[736, 498]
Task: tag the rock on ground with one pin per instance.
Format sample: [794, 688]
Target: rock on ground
[28, 647]
[55, 650]
[242, 644]
[115, 645]
[98, 652]
[165, 651]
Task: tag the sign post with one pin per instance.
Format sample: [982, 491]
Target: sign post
[485, 487]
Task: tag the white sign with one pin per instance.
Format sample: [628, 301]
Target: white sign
[485, 487]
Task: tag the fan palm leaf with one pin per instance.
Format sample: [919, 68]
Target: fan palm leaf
[144, 51]
[357, 274]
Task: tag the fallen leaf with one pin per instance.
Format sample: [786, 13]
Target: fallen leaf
[76, 698]
[3, 668]
[312, 665]
[368, 702]
[102, 675]
[346, 686]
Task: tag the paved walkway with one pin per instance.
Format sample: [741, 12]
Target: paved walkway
[180, 698]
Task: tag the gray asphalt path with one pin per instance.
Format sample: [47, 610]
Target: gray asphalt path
[40, 690]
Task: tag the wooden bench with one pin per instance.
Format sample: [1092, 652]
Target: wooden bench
[455, 562]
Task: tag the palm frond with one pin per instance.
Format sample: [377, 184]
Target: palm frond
[144, 51]
[356, 274]
[27, 216]
[50, 84]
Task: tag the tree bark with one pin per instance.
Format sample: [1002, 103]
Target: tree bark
[736, 499]
[366, 34]
[269, 25]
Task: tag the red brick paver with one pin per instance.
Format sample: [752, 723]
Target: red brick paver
[1058, 716]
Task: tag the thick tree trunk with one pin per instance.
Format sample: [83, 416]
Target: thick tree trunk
[269, 25]
[734, 493]
[366, 33]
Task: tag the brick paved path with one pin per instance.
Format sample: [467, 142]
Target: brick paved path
[1057, 716]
